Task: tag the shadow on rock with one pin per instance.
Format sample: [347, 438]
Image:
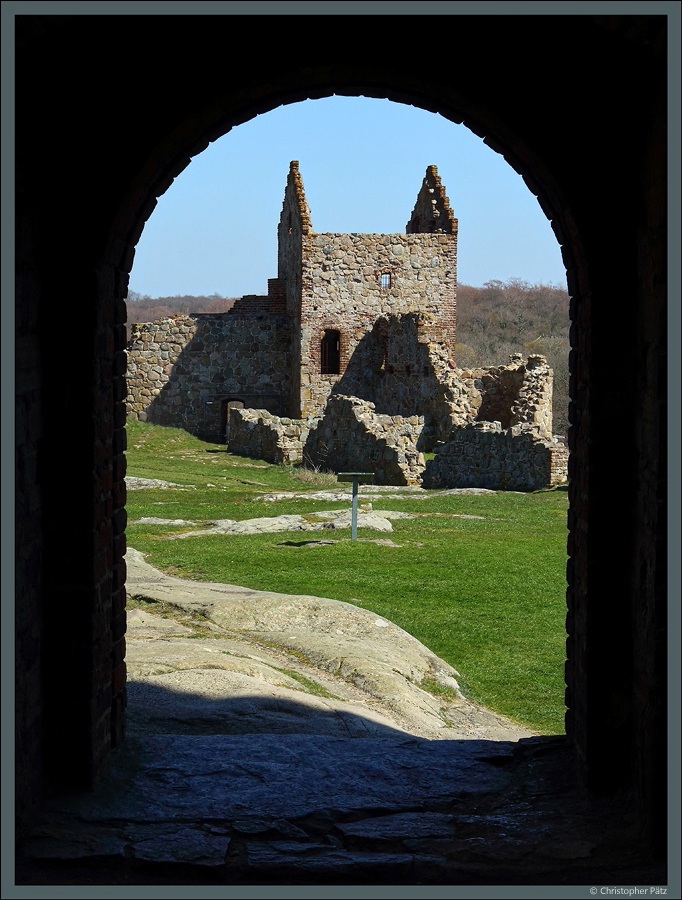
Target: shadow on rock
[158, 708]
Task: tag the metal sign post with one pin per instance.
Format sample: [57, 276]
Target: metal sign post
[356, 478]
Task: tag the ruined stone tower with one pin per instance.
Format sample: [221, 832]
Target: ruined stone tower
[338, 286]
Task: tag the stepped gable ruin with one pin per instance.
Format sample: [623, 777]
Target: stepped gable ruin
[366, 317]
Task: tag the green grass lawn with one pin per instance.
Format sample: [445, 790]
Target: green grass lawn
[487, 595]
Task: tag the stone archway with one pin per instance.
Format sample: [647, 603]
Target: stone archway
[615, 649]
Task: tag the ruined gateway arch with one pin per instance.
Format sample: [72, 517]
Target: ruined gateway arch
[107, 117]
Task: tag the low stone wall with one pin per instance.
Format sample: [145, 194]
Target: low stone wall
[559, 461]
[261, 435]
[486, 455]
[351, 437]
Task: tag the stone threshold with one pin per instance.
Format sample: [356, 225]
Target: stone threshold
[307, 809]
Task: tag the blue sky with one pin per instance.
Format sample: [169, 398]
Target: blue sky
[362, 162]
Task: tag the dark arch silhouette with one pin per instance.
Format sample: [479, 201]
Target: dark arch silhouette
[98, 141]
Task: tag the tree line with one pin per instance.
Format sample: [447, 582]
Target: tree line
[143, 308]
[493, 321]
[505, 317]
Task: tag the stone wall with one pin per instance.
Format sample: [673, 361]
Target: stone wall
[377, 298]
[486, 455]
[558, 473]
[403, 366]
[352, 437]
[342, 290]
[294, 224]
[519, 393]
[29, 417]
[185, 370]
[432, 213]
[399, 394]
[260, 435]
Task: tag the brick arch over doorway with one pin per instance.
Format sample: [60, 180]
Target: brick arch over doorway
[98, 141]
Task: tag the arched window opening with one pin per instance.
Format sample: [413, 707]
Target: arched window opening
[330, 353]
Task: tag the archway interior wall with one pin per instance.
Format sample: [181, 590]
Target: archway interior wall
[139, 161]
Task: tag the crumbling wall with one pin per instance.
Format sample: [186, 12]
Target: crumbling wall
[184, 370]
[486, 455]
[352, 437]
[294, 224]
[403, 366]
[519, 393]
[432, 213]
[558, 473]
[260, 435]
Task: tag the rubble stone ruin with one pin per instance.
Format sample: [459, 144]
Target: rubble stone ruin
[348, 362]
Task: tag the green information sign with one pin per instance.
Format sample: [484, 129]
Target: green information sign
[360, 477]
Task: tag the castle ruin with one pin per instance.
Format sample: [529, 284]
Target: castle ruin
[348, 362]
